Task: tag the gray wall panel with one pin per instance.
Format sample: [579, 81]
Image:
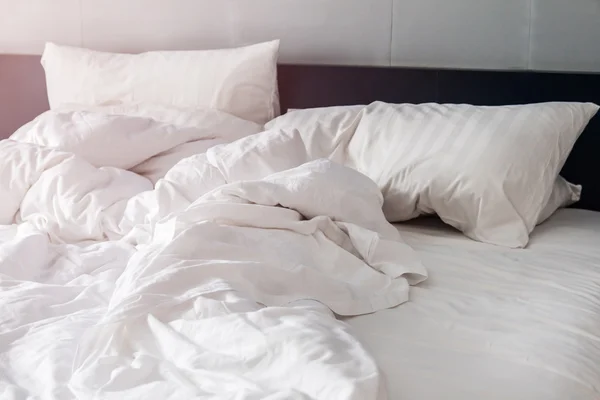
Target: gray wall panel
[565, 35]
[480, 34]
[319, 31]
[461, 33]
[142, 25]
[26, 25]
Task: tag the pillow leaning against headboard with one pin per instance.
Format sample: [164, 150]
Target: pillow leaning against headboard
[491, 172]
[240, 81]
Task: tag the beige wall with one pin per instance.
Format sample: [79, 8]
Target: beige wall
[494, 34]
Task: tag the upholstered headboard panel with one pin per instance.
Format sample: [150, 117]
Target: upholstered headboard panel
[23, 96]
[22, 91]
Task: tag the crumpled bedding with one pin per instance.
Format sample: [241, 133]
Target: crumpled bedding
[169, 254]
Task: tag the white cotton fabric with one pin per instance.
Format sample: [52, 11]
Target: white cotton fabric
[217, 282]
[487, 171]
[240, 81]
[328, 129]
[161, 136]
[491, 172]
[563, 195]
[494, 323]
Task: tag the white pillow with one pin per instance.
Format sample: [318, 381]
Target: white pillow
[488, 171]
[240, 81]
[325, 131]
[563, 194]
[387, 159]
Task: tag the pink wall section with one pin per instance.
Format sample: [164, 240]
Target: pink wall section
[22, 91]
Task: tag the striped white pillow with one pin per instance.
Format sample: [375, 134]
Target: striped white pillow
[328, 130]
[240, 81]
[488, 171]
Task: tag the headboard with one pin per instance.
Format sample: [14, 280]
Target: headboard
[317, 86]
[23, 96]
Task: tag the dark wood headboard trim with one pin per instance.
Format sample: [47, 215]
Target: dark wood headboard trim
[23, 96]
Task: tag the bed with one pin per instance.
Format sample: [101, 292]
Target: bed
[492, 323]
[488, 322]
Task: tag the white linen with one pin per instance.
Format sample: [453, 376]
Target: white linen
[241, 81]
[161, 136]
[491, 172]
[329, 128]
[215, 283]
[564, 194]
[487, 171]
[494, 323]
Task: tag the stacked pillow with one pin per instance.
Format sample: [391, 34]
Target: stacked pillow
[491, 172]
[240, 81]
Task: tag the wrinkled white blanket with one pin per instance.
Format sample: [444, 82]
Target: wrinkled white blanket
[135, 264]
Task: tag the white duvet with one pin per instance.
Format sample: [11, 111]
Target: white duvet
[140, 261]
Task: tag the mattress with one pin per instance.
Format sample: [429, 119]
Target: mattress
[495, 323]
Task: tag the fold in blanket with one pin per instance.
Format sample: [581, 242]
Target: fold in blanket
[215, 282]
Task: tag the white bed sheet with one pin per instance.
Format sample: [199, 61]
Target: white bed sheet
[495, 323]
